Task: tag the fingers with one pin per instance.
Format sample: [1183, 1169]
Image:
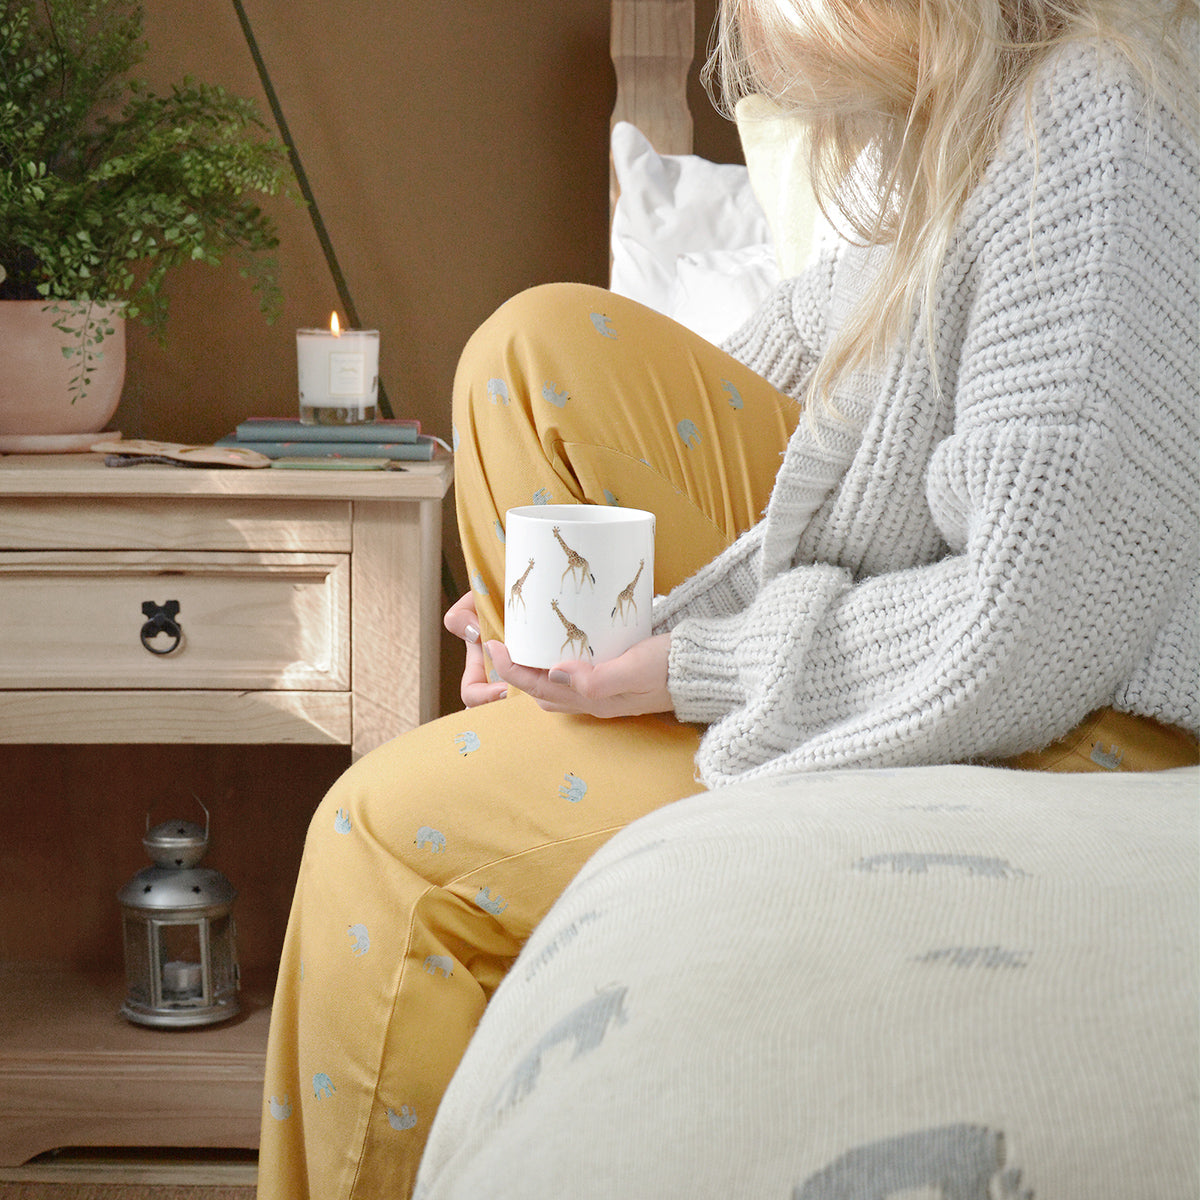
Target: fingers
[462, 620]
[633, 684]
[476, 688]
[537, 684]
[630, 685]
[528, 679]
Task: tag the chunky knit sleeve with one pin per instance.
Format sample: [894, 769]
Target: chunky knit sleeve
[1059, 475]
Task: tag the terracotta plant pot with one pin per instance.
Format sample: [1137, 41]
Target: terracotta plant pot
[44, 391]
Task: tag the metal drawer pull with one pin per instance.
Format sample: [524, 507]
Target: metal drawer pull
[161, 620]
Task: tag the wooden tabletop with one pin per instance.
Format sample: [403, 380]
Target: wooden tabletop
[87, 474]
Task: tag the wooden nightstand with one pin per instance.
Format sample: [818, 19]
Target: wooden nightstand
[308, 611]
[308, 602]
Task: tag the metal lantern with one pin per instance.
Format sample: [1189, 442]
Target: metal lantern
[180, 958]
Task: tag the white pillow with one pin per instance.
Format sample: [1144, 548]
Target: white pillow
[675, 205]
[717, 291]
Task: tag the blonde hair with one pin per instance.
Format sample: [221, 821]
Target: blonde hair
[905, 102]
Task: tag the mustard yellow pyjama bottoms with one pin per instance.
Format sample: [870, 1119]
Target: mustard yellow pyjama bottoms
[429, 862]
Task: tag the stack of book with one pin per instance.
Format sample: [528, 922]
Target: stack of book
[369, 444]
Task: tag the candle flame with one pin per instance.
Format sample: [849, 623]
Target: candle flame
[334, 327]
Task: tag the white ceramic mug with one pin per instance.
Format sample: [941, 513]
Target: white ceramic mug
[578, 582]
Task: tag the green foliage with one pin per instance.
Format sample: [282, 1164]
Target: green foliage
[84, 325]
[106, 186]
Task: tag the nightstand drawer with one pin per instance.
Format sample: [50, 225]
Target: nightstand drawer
[277, 621]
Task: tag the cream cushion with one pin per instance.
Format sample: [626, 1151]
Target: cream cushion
[774, 145]
[947, 983]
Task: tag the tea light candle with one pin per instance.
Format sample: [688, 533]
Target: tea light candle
[338, 373]
[181, 979]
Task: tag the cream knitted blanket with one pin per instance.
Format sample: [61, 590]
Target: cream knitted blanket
[952, 982]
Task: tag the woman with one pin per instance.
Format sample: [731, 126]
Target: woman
[980, 544]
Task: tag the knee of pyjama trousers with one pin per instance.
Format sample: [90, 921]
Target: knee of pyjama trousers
[571, 394]
[426, 866]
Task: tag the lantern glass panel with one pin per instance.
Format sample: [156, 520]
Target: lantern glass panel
[137, 961]
[222, 956]
[180, 955]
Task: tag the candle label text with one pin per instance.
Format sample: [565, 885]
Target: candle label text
[346, 375]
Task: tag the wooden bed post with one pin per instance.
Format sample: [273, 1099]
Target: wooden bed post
[653, 43]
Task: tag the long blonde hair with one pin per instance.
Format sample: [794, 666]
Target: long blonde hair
[905, 102]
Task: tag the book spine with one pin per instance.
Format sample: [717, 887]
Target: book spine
[285, 430]
[422, 450]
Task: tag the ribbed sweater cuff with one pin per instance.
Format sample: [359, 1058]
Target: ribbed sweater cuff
[719, 664]
[703, 674]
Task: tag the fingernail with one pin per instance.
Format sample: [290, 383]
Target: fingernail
[471, 633]
[560, 677]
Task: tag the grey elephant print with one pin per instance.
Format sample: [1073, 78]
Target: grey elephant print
[586, 1027]
[957, 1162]
[497, 391]
[433, 838]
[467, 742]
[280, 1109]
[361, 939]
[439, 962]
[577, 566]
[489, 903]
[603, 325]
[625, 602]
[576, 640]
[572, 788]
[552, 394]
[688, 432]
[322, 1086]
[406, 1118]
[917, 863]
[1109, 759]
[989, 957]
[735, 397]
[559, 942]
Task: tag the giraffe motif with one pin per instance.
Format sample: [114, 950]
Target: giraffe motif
[514, 592]
[575, 562]
[625, 597]
[574, 634]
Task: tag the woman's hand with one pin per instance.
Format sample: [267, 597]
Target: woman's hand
[462, 620]
[628, 686]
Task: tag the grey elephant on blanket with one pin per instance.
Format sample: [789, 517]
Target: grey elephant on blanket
[586, 1026]
[959, 1161]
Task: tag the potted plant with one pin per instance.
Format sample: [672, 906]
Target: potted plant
[105, 187]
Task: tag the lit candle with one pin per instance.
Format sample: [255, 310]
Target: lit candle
[181, 980]
[338, 371]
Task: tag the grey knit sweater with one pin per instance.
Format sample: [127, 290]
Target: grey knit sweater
[966, 570]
